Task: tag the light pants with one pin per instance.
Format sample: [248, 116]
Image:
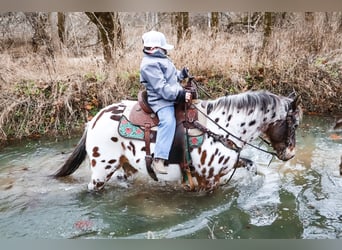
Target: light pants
[166, 132]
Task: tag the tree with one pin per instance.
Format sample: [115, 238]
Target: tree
[268, 23]
[151, 19]
[339, 27]
[61, 26]
[109, 26]
[39, 22]
[214, 23]
[267, 28]
[182, 24]
[309, 16]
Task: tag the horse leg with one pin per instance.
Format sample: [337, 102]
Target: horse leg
[102, 171]
[102, 167]
[100, 175]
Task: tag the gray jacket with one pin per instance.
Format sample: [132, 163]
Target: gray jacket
[161, 79]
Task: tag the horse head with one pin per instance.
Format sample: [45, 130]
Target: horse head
[282, 133]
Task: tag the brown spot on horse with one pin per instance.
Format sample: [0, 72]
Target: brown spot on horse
[96, 152]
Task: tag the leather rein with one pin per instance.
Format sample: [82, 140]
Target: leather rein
[221, 138]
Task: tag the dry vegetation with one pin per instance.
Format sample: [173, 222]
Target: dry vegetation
[46, 93]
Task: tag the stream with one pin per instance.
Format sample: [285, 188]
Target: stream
[298, 199]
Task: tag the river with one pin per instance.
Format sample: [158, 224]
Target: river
[299, 199]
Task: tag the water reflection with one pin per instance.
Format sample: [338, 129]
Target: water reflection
[296, 199]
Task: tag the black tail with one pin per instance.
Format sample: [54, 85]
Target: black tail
[75, 159]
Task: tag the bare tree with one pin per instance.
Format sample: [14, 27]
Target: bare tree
[214, 23]
[61, 18]
[53, 32]
[268, 23]
[151, 19]
[339, 28]
[182, 24]
[267, 31]
[39, 22]
[109, 26]
[309, 16]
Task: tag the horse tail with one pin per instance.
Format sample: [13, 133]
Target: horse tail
[75, 159]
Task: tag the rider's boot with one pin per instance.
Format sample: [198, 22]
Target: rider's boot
[158, 166]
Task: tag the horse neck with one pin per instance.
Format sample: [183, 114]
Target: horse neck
[243, 125]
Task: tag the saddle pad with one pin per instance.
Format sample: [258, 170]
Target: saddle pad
[195, 141]
[128, 130]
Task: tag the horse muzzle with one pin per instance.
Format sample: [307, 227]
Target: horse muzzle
[287, 154]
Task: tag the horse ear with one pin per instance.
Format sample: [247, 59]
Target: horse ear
[296, 102]
[292, 95]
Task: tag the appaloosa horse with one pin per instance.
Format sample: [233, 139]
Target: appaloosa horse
[224, 126]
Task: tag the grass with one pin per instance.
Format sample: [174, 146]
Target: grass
[45, 95]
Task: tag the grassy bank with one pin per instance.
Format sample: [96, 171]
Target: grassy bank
[55, 95]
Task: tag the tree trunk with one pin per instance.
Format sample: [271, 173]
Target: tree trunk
[53, 23]
[214, 23]
[268, 23]
[151, 19]
[339, 27]
[182, 24]
[309, 16]
[39, 22]
[61, 18]
[109, 26]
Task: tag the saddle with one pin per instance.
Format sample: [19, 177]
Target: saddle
[143, 116]
[141, 113]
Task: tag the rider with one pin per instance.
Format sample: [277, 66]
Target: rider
[162, 82]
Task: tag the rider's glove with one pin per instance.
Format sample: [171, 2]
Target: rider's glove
[184, 73]
[184, 96]
[188, 96]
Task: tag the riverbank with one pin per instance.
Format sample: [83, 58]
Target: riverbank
[45, 95]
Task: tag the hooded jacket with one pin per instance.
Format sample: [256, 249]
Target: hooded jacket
[161, 79]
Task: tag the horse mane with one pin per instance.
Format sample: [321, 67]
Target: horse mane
[249, 101]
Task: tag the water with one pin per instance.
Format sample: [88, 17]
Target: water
[300, 198]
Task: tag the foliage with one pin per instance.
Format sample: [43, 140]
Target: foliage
[58, 88]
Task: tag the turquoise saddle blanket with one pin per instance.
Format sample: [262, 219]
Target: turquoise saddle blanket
[128, 130]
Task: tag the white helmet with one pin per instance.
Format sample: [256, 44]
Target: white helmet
[156, 39]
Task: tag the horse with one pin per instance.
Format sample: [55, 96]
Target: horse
[225, 126]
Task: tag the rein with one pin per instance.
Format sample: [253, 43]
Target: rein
[230, 134]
